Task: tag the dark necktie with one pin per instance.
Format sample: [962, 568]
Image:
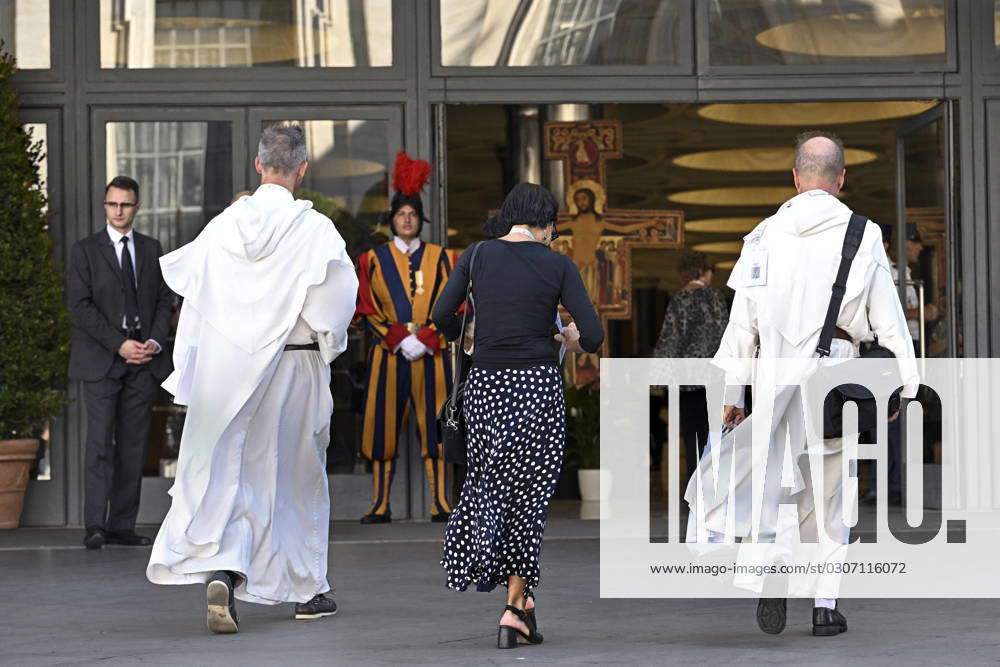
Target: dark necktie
[131, 295]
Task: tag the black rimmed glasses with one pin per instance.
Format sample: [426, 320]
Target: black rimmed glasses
[123, 205]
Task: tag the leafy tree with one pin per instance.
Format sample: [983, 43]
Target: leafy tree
[34, 323]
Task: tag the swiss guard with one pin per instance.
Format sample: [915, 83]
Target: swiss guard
[409, 373]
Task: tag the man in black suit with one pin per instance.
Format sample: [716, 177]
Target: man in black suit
[121, 310]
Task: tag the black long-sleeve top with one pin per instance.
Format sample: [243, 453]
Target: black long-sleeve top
[516, 288]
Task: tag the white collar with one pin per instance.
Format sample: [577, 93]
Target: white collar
[272, 192]
[406, 248]
[116, 236]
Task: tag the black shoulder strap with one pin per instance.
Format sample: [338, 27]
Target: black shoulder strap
[852, 241]
[457, 371]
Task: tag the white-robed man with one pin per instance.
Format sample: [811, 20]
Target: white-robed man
[783, 283]
[269, 292]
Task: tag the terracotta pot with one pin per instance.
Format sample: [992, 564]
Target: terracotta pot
[16, 457]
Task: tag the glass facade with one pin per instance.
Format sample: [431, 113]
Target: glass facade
[801, 32]
[139, 34]
[488, 33]
[24, 29]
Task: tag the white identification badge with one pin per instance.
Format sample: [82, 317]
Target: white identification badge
[756, 271]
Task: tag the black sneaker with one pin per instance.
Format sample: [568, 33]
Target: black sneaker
[318, 607]
[828, 622]
[772, 614]
[128, 538]
[222, 617]
[95, 538]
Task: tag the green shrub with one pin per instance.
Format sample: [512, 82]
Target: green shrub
[583, 425]
[34, 323]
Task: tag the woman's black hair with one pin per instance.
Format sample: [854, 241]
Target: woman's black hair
[525, 204]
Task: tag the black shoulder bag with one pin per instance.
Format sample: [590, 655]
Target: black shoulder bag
[833, 406]
[451, 419]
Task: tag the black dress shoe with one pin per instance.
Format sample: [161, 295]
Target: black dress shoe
[772, 614]
[222, 617]
[318, 607]
[128, 538]
[440, 518]
[377, 518]
[828, 622]
[95, 538]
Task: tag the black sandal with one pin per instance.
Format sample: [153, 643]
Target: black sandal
[509, 637]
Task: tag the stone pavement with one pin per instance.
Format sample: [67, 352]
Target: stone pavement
[63, 605]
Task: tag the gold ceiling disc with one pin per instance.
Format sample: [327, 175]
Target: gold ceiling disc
[812, 114]
[859, 34]
[722, 225]
[757, 195]
[773, 158]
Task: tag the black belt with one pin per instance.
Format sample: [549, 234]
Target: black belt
[307, 346]
[132, 334]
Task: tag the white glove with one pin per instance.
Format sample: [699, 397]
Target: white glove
[411, 348]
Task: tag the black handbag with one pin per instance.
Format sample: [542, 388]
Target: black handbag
[451, 419]
[833, 405]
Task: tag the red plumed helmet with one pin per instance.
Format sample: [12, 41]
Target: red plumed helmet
[408, 175]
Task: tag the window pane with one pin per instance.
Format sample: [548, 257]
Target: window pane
[487, 33]
[185, 179]
[40, 134]
[172, 161]
[996, 25]
[256, 33]
[796, 32]
[42, 468]
[24, 29]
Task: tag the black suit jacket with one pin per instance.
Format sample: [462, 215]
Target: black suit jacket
[97, 302]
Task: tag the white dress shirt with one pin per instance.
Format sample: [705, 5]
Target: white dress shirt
[407, 248]
[116, 240]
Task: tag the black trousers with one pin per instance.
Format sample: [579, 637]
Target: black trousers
[119, 409]
[693, 426]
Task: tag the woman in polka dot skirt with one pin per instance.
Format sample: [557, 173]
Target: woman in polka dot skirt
[514, 409]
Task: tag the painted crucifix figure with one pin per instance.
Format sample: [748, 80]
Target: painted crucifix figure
[598, 239]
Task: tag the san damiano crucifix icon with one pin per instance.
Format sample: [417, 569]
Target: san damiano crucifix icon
[600, 240]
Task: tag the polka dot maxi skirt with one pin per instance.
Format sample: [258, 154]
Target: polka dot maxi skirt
[516, 429]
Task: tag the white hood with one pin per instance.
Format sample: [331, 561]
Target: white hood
[800, 248]
[248, 271]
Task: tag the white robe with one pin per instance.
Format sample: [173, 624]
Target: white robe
[251, 489]
[780, 307]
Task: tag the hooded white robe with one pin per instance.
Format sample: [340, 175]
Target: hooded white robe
[251, 494]
[782, 282]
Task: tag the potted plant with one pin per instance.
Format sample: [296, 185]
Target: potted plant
[34, 324]
[583, 449]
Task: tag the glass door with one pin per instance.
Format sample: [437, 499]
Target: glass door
[45, 498]
[350, 157]
[189, 163]
[925, 247]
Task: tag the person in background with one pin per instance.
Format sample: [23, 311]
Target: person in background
[513, 405]
[692, 328]
[409, 372]
[121, 311]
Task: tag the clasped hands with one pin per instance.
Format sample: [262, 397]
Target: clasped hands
[134, 352]
[411, 348]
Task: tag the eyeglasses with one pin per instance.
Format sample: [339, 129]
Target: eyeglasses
[123, 205]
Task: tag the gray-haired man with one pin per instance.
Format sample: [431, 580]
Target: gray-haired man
[268, 294]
